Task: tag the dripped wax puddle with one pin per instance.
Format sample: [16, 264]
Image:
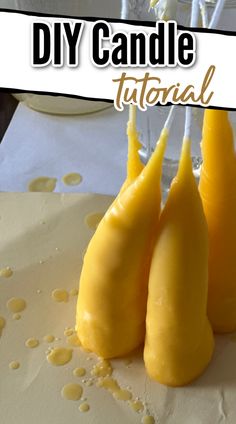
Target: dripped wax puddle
[102, 369]
[148, 419]
[92, 220]
[59, 356]
[73, 340]
[6, 272]
[122, 394]
[68, 332]
[72, 391]
[60, 295]
[16, 305]
[42, 184]
[16, 317]
[72, 179]
[2, 324]
[79, 372]
[49, 338]
[73, 292]
[31, 343]
[84, 407]
[113, 387]
[14, 365]
[108, 383]
[136, 405]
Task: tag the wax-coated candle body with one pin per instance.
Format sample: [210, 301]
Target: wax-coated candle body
[179, 341]
[112, 298]
[218, 192]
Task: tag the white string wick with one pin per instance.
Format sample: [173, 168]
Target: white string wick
[124, 9]
[194, 13]
[204, 13]
[188, 111]
[213, 23]
[170, 118]
[132, 115]
[216, 14]
[188, 122]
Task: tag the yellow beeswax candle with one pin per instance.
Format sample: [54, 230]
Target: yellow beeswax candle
[218, 192]
[112, 298]
[179, 341]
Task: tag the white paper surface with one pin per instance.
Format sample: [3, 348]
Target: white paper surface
[95, 145]
[31, 394]
[38, 144]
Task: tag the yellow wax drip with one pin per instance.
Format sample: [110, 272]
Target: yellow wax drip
[6, 272]
[72, 391]
[179, 341]
[218, 192]
[59, 356]
[134, 164]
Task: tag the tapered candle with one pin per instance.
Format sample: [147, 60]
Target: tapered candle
[179, 341]
[112, 298]
[218, 192]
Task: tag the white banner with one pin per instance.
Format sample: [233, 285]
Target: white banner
[27, 39]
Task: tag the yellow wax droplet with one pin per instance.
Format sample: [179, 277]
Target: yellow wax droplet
[79, 372]
[49, 338]
[72, 391]
[16, 317]
[14, 365]
[148, 419]
[73, 340]
[60, 295]
[108, 383]
[84, 407]
[2, 323]
[102, 369]
[92, 220]
[31, 343]
[69, 332]
[16, 305]
[72, 179]
[73, 292]
[136, 405]
[122, 394]
[59, 356]
[42, 184]
[89, 382]
[6, 272]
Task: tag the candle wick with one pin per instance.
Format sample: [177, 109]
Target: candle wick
[204, 13]
[216, 14]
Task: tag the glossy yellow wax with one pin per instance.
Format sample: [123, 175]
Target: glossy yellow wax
[113, 285]
[179, 341]
[218, 192]
[134, 164]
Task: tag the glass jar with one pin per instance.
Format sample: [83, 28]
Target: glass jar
[101, 8]
[156, 116]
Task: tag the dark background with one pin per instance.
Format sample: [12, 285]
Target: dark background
[7, 108]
